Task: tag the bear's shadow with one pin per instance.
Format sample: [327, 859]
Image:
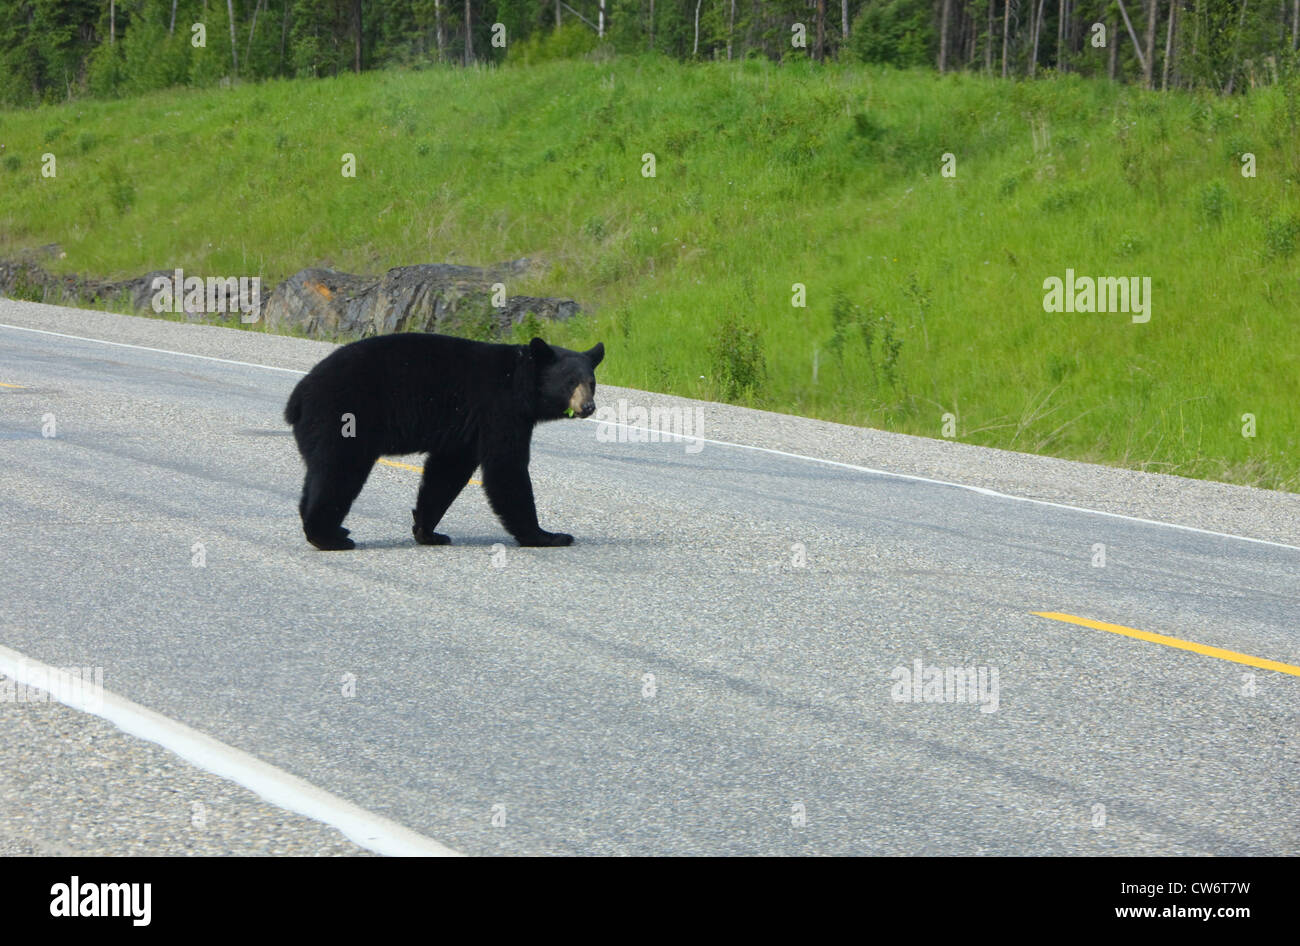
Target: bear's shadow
[482, 542]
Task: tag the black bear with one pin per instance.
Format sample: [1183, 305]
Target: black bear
[464, 403]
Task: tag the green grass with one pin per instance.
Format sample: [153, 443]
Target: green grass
[924, 293]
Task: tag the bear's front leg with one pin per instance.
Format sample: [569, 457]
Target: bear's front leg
[425, 535]
[544, 539]
[510, 494]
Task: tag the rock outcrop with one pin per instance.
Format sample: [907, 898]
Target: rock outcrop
[325, 303]
[434, 297]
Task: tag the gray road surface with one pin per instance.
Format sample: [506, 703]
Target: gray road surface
[706, 671]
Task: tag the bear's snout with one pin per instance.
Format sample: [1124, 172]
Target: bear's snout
[582, 403]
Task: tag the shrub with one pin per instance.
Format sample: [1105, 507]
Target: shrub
[1214, 200]
[1281, 235]
[897, 32]
[738, 365]
[569, 41]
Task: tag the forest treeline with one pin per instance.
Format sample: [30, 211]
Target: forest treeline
[53, 50]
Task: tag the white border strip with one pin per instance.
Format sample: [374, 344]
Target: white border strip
[983, 491]
[366, 829]
[161, 351]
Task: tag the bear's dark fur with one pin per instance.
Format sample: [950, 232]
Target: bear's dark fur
[466, 404]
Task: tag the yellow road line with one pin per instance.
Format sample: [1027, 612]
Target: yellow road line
[1195, 648]
[417, 469]
[401, 466]
[3, 385]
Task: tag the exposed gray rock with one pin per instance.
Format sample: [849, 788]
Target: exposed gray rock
[322, 303]
[27, 279]
[434, 297]
[325, 303]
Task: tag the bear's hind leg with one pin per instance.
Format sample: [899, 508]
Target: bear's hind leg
[327, 494]
[444, 478]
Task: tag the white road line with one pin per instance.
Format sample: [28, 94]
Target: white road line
[161, 351]
[276, 786]
[982, 490]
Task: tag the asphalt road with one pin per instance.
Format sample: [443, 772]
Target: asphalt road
[710, 669]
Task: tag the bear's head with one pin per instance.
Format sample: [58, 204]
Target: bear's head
[566, 380]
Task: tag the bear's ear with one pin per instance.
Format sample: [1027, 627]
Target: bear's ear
[542, 352]
[596, 355]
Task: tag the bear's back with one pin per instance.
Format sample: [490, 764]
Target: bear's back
[412, 392]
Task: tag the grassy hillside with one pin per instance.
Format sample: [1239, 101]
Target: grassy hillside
[924, 293]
